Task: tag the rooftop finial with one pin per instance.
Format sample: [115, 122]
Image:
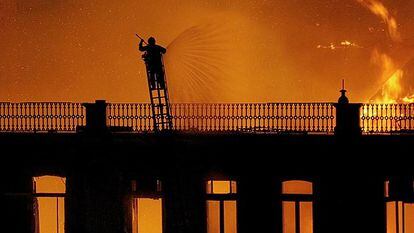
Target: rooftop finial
[343, 99]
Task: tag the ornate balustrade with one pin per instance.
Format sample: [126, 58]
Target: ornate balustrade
[265, 117]
[41, 116]
[387, 118]
[226, 117]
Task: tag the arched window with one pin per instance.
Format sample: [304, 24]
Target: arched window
[297, 206]
[399, 213]
[221, 206]
[49, 204]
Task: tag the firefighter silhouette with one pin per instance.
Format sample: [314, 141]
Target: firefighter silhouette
[153, 60]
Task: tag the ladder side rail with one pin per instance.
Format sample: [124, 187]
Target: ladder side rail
[166, 95]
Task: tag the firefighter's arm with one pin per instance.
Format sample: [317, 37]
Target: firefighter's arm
[163, 50]
[141, 46]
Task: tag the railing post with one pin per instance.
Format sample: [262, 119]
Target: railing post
[96, 116]
[347, 118]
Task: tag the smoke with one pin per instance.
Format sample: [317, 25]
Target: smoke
[379, 9]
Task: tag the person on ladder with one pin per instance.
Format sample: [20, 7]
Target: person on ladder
[153, 60]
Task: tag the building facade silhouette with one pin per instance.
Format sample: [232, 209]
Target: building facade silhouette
[250, 180]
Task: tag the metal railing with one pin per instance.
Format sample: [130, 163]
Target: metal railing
[387, 118]
[41, 116]
[241, 117]
[274, 117]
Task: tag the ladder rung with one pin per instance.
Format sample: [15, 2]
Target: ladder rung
[157, 89]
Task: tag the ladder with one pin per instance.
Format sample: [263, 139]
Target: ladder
[160, 105]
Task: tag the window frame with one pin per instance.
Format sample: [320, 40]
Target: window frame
[156, 194]
[56, 195]
[298, 199]
[222, 198]
[398, 211]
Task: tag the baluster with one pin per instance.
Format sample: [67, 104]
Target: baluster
[400, 116]
[241, 118]
[369, 117]
[220, 117]
[309, 117]
[407, 123]
[288, 113]
[298, 117]
[197, 117]
[9, 126]
[58, 116]
[118, 115]
[225, 117]
[410, 116]
[62, 113]
[397, 117]
[68, 117]
[17, 114]
[133, 117]
[140, 117]
[276, 117]
[75, 117]
[191, 116]
[384, 114]
[332, 117]
[27, 117]
[20, 116]
[203, 117]
[52, 109]
[44, 116]
[130, 119]
[381, 119]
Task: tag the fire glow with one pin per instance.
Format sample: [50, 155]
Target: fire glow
[220, 51]
[342, 45]
[392, 91]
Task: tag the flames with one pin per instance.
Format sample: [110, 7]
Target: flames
[397, 88]
[408, 99]
[392, 88]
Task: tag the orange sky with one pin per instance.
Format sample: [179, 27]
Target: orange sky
[251, 51]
